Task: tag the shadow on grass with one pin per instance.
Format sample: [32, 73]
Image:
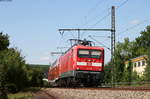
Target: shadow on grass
[31, 89]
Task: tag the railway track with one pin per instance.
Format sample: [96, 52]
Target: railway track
[43, 95]
[111, 88]
[94, 93]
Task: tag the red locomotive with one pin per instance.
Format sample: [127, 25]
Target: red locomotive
[82, 64]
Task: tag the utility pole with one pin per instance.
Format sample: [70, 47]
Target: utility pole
[113, 43]
[78, 35]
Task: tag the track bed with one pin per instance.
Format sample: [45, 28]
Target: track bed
[96, 93]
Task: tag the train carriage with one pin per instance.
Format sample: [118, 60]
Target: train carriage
[80, 65]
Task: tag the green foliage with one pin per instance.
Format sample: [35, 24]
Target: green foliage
[122, 54]
[4, 41]
[107, 71]
[147, 70]
[43, 68]
[126, 51]
[13, 66]
[11, 88]
[144, 39]
[144, 42]
[3, 94]
[36, 77]
[128, 73]
[36, 73]
[15, 75]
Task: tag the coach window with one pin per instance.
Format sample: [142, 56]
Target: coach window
[135, 64]
[139, 63]
[143, 63]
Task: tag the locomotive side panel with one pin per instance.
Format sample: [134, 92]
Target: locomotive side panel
[66, 64]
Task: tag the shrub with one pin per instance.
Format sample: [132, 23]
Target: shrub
[11, 88]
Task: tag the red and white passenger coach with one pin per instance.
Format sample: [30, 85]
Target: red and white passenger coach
[82, 64]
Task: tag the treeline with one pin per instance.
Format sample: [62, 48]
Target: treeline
[124, 52]
[15, 74]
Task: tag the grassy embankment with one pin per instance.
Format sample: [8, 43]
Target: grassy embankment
[25, 94]
[21, 95]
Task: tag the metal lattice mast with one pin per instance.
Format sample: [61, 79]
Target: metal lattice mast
[113, 42]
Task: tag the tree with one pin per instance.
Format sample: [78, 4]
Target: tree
[122, 54]
[128, 73]
[108, 73]
[143, 48]
[14, 68]
[35, 75]
[147, 69]
[4, 41]
[127, 50]
[144, 40]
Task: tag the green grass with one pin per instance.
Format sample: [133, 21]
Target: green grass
[21, 95]
[24, 94]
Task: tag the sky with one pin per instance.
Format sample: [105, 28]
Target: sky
[33, 24]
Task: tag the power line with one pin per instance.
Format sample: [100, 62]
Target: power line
[104, 17]
[92, 9]
[108, 14]
[99, 42]
[90, 20]
[132, 27]
[98, 22]
[123, 3]
[101, 36]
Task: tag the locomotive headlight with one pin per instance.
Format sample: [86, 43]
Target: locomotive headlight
[82, 63]
[96, 64]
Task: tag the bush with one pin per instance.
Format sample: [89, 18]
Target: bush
[11, 88]
[3, 94]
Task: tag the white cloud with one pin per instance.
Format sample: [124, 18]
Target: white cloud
[45, 58]
[46, 53]
[134, 22]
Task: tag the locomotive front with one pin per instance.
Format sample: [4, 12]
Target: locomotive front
[89, 65]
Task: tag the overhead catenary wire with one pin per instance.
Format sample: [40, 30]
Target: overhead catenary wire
[106, 16]
[97, 16]
[101, 36]
[99, 42]
[93, 9]
[123, 3]
[109, 13]
[132, 27]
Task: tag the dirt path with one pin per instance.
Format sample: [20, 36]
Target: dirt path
[43, 95]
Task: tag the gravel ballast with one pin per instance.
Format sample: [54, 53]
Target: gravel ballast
[62, 93]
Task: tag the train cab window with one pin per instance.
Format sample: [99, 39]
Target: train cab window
[89, 53]
[84, 53]
[96, 54]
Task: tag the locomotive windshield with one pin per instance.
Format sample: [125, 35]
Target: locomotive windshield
[89, 53]
[84, 53]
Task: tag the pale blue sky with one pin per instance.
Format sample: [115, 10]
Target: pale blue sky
[33, 24]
